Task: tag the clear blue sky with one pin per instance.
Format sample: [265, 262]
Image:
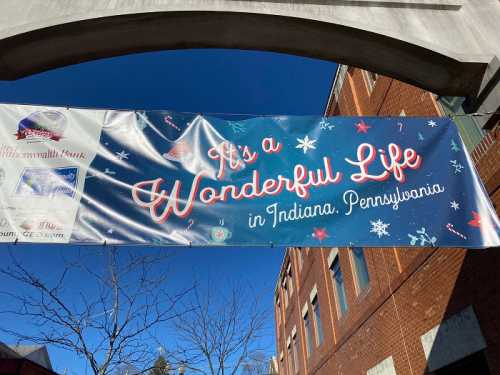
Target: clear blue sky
[205, 81]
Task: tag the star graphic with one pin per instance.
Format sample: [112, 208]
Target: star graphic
[432, 123]
[320, 234]
[454, 205]
[306, 144]
[362, 127]
[476, 221]
[122, 155]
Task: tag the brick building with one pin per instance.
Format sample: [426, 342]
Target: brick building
[393, 311]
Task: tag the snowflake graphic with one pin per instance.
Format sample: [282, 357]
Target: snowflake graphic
[122, 155]
[423, 237]
[432, 123]
[458, 167]
[454, 146]
[305, 144]
[324, 124]
[379, 228]
[454, 205]
[420, 136]
[237, 127]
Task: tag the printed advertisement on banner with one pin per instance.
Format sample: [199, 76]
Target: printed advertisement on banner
[163, 178]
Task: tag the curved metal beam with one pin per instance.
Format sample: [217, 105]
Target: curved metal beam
[76, 42]
[444, 46]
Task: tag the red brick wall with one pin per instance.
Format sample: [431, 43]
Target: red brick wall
[411, 290]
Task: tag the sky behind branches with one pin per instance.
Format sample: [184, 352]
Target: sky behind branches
[198, 81]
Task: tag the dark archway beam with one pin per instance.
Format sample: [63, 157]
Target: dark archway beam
[75, 42]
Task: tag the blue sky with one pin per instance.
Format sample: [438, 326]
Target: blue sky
[200, 81]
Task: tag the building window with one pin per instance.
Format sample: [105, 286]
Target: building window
[370, 79]
[278, 310]
[285, 291]
[289, 278]
[317, 320]
[290, 358]
[309, 333]
[338, 282]
[360, 268]
[295, 350]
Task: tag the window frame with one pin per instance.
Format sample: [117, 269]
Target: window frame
[342, 308]
[370, 81]
[306, 320]
[318, 325]
[291, 366]
[295, 350]
[357, 278]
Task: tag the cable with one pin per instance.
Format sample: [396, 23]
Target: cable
[475, 114]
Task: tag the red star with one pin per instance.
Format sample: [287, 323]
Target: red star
[476, 221]
[362, 127]
[320, 234]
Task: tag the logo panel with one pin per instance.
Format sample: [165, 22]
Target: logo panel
[41, 126]
[48, 182]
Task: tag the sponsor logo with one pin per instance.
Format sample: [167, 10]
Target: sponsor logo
[41, 228]
[41, 126]
[41, 225]
[48, 182]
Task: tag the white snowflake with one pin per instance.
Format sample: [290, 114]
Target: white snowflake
[379, 228]
[305, 144]
[324, 124]
[457, 166]
[454, 205]
[432, 123]
[237, 127]
[122, 155]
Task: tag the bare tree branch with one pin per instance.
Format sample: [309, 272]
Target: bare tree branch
[106, 316]
[220, 332]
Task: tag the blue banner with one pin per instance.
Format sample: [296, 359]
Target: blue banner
[164, 178]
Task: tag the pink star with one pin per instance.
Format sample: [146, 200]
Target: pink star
[320, 234]
[476, 221]
[362, 127]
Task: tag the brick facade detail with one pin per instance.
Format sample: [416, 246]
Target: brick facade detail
[410, 290]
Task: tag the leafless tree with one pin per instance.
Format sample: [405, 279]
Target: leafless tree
[257, 364]
[221, 331]
[104, 305]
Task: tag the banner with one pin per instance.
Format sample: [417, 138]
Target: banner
[163, 178]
